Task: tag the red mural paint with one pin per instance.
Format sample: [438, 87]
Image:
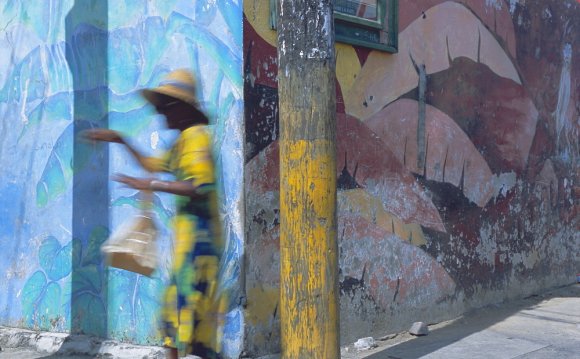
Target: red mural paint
[362, 53]
[260, 58]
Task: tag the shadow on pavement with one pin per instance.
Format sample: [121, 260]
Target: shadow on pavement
[477, 321]
[76, 348]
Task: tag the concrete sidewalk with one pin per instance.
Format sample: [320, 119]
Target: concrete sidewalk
[26, 344]
[540, 326]
[545, 326]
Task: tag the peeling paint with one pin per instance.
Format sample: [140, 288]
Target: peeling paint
[567, 131]
[154, 140]
[503, 183]
[513, 4]
[494, 4]
[492, 204]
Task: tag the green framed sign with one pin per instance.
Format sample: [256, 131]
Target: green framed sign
[366, 23]
[365, 12]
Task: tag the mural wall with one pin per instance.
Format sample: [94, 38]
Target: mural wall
[458, 164]
[40, 158]
[71, 65]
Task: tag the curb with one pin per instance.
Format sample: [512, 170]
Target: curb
[67, 344]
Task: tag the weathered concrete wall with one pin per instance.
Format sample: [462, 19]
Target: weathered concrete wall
[491, 213]
[71, 65]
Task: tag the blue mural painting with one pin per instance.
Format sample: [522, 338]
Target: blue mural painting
[72, 65]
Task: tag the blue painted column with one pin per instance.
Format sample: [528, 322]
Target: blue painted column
[86, 54]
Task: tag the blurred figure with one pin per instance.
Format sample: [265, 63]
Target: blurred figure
[191, 309]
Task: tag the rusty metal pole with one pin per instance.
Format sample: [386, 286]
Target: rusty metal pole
[308, 241]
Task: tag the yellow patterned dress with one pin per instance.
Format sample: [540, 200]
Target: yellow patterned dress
[192, 312]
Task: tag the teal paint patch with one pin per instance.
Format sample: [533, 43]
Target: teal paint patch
[205, 12]
[228, 61]
[32, 290]
[52, 182]
[90, 319]
[232, 13]
[54, 108]
[47, 297]
[125, 58]
[130, 123]
[55, 260]
[49, 307]
[92, 249]
[58, 171]
[136, 301]
[42, 303]
[88, 279]
[153, 34]
[88, 297]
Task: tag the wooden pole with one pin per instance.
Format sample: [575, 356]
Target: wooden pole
[308, 243]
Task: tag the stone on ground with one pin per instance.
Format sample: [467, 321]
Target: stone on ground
[419, 328]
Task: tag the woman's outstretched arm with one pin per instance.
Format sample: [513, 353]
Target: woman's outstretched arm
[106, 135]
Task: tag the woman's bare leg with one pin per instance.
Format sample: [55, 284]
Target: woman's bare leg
[172, 353]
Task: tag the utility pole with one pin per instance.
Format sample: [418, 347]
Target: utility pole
[308, 241]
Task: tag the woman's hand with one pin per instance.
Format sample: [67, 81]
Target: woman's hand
[105, 135]
[141, 184]
[101, 134]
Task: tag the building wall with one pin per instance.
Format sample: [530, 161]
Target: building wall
[71, 65]
[490, 214]
[39, 75]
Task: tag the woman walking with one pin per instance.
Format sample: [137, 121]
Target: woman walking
[191, 309]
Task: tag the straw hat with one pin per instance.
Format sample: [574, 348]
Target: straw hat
[179, 84]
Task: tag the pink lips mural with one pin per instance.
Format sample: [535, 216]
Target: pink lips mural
[377, 138]
[451, 156]
[487, 130]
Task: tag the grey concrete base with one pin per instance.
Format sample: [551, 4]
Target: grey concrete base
[19, 353]
[21, 343]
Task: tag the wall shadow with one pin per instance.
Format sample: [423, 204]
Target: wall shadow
[86, 28]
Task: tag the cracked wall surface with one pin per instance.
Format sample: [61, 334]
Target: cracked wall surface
[457, 164]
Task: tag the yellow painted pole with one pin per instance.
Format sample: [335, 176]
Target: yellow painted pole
[308, 241]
